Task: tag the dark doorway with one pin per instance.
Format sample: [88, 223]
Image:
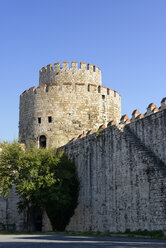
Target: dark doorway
[42, 141]
[34, 221]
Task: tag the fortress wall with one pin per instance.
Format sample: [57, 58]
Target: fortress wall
[75, 108]
[9, 213]
[3, 207]
[122, 187]
[57, 74]
[26, 116]
[152, 132]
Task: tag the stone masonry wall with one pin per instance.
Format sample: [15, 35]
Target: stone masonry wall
[152, 133]
[87, 74]
[123, 183]
[9, 213]
[122, 169]
[26, 116]
[74, 108]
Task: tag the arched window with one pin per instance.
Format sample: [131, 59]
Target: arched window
[42, 141]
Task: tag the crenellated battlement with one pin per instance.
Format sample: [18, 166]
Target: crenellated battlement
[136, 115]
[85, 73]
[65, 66]
[75, 87]
[151, 109]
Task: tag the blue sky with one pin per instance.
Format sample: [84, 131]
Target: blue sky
[126, 39]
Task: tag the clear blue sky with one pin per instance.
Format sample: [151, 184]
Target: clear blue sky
[125, 38]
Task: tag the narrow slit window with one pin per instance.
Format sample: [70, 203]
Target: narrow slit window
[89, 116]
[49, 119]
[103, 97]
[39, 120]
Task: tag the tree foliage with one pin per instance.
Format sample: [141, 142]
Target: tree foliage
[44, 178]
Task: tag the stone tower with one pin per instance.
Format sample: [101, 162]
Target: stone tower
[67, 102]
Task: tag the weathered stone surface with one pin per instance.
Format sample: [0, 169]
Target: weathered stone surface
[74, 98]
[123, 177]
[122, 168]
[86, 74]
[9, 213]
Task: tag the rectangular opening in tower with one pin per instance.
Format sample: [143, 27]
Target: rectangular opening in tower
[39, 120]
[49, 119]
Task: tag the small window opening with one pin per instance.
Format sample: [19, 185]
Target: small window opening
[49, 119]
[103, 97]
[114, 93]
[39, 120]
[88, 87]
[42, 141]
[89, 116]
[108, 91]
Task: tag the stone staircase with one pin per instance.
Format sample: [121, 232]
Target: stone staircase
[147, 154]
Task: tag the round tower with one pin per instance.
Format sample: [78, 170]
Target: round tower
[67, 102]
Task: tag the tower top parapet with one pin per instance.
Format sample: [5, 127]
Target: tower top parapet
[86, 73]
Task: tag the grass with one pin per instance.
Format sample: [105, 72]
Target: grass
[153, 234]
[143, 233]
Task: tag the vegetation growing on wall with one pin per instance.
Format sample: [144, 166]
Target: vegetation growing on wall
[44, 178]
[98, 133]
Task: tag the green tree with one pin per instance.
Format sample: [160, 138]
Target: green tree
[44, 178]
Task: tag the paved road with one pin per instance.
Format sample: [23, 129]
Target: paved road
[51, 241]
